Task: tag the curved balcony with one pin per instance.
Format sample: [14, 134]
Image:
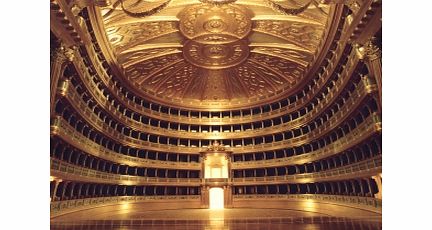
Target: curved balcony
[62, 207]
[368, 148]
[130, 139]
[353, 102]
[365, 168]
[62, 129]
[72, 172]
[220, 120]
[369, 126]
[348, 105]
[367, 203]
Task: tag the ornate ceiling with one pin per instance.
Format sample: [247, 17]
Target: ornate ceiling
[201, 55]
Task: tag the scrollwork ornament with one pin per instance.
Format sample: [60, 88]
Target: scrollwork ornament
[70, 53]
[360, 51]
[216, 146]
[288, 11]
[369, 50]
[62, 53]
[145, 13]
[353, 6]
[372, 51]
[217, 2]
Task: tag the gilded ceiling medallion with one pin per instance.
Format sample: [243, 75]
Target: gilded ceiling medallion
[216, 35]
[196, 20]
[215, 55]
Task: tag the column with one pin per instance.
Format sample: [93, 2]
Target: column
[124, 190]
[368, 181]
[346, 188]
[115, 190]
[353, 187]
[79, 190]
[64, 190]
[56, 184]
[322, 165]
[87, 190]
[332, 188]
[361, 187]
[60, 56]
[371, 55]
[73, 188]
[134, 190]
[378, 181]
[93, 192]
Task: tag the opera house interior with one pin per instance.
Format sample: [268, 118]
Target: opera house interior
[215, 114]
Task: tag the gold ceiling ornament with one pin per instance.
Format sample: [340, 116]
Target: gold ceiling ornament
[217, 2]
[216, 146]
[216, 35]
[288, 11]
[145, 13]
[303, 35]
[215, 55]
[196, 20]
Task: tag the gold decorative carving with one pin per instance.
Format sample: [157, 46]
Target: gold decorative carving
[121, 38]
[299, 57]
[291, 72]
[196, 20]
[254, 83]
[218, 2]
[372, 51]
[215, 56]
[206, 55]
[215, 88]
[154, 81]
[145, 13]
[216, 146]
[63, 53]
[174, 86]
[301, 34]
[136, 73]
[286, 10]
[135, 57]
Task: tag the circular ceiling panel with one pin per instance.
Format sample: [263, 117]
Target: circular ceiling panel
[215, 55]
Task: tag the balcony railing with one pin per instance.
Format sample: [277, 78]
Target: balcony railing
[59, 207]
[361, 202]
[69, 171]
[371, 125]
[368, 167]
[356, 97]
[79, 141]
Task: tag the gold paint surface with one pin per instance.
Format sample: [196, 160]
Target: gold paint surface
[223, 56]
